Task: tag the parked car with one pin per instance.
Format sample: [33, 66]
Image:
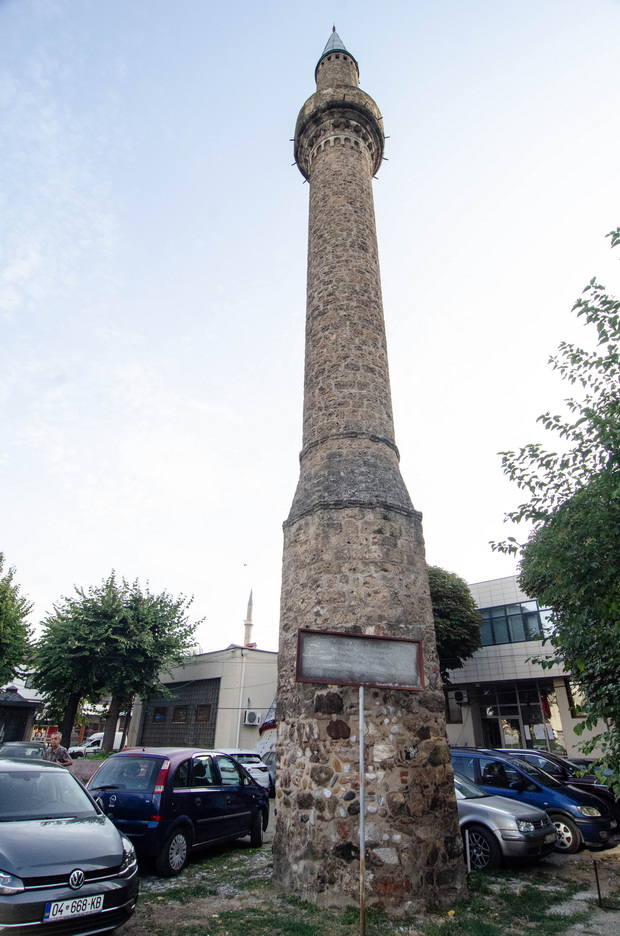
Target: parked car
[64, 867]
[269, 758]
[579, 817]
[23, 749]
[566, 772]
[500, 829]
[170, 801]
[93, 745]
[253, 763]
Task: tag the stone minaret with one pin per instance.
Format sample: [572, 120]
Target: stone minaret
[247, 624]
[354, 559]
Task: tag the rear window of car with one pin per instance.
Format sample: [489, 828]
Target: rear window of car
[22, 750]
[133, 773]
[248, 758]
[42, 794]
[464, 763]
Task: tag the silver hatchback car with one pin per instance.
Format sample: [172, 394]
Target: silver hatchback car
[500, 829]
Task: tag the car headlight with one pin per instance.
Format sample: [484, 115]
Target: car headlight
[9, 884]
[130, 861]
[524, 826]
[589, 811]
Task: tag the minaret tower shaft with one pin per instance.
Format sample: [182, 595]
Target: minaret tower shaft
[354, 558]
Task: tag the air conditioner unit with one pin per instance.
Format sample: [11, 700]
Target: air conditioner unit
[251, 717]
[460, 697]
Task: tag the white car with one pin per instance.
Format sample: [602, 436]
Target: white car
[93, 745]
[252, 762]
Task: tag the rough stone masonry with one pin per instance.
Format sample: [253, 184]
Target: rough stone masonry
[354, 560]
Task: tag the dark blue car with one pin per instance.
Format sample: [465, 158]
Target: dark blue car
[579, 817]
[169, 801]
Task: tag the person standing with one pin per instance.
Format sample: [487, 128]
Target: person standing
[57, 753]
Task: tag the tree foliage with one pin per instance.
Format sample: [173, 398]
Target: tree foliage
[457, 619]
[14, 631]
[113, 639]
[571, 561]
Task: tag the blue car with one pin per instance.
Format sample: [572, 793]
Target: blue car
[579, 817]
[170, 801]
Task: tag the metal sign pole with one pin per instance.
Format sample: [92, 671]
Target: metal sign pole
[362, 816]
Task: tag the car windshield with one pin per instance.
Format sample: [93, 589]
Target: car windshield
[131, 772]
[535, 772]
[467, 789]
[42, 794]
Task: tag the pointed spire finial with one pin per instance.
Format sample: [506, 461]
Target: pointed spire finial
[334, 43]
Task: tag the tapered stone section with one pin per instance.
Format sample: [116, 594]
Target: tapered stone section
[354, 560]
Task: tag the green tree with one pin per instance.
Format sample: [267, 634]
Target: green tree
[113, 639]
[571, 561]
[14, 631]
[457, 619]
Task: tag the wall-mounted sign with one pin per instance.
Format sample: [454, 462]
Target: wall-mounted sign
[359, 660]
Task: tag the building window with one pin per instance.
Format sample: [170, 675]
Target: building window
[203, 713]
[512, 623]
[179, 715]
[159, 714]
[454, 711]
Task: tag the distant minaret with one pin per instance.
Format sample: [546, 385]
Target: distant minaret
[247, 624]
[354, 558]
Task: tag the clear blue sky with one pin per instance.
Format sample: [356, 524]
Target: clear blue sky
[152, 271]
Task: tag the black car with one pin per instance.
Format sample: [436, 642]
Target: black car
[169, 801]
[564, 770]
[64, 867]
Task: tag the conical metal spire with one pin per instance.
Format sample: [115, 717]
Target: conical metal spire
[334, 42]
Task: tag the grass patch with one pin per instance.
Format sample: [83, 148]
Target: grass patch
[503, 911]
[239, 900]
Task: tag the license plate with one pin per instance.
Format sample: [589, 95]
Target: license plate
[79, 906]
[552, 837]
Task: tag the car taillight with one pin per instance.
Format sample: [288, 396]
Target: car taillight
[160, 783]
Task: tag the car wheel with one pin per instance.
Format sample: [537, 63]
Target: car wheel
[174, 855]
[484, 852]
[256, 832]
[569, 837]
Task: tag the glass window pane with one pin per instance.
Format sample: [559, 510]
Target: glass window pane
[203, 772]
[500, 629]
[465, 765]
[532, 626]
[486, 634]
[229, 771]
[517, 628]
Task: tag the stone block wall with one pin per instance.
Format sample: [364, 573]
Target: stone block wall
[361, 570]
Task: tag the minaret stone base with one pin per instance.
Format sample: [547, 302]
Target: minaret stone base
[362, 571]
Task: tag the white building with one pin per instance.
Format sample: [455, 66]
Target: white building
[216, 700]
[502, 697]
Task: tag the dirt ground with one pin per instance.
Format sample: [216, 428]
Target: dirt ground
[550, 873]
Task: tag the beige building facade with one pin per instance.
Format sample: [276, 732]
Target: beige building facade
[218, 700]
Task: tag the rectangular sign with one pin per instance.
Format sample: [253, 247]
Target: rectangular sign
[358, 660]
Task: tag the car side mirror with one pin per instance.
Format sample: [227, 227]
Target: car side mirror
[517, 785]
